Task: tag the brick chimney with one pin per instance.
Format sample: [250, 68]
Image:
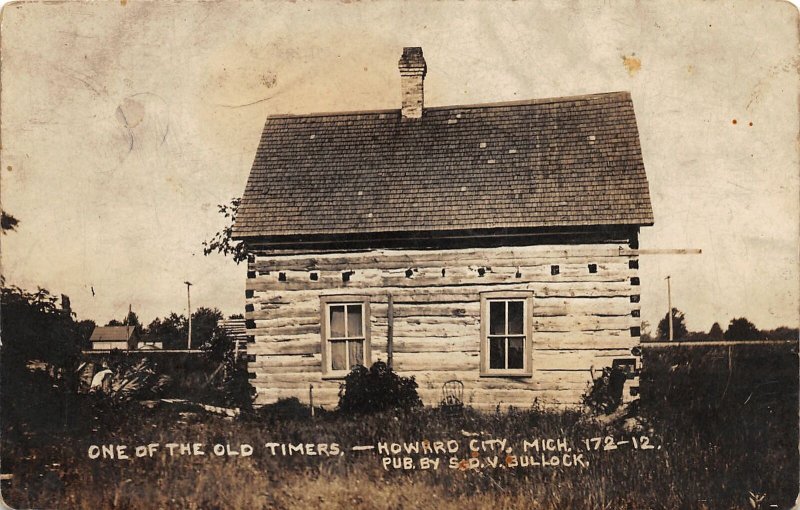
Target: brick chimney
[412, 74]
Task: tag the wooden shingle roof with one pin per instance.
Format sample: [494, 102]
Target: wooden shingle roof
[112, 334]
[561, 162]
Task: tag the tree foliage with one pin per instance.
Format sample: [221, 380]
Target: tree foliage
[678, 326]
[34, 328]
[204, 326]
[742, 329]
[222, 242]
[232, 382]
[40, 352]
[172, 331]
[131, 319]
[781, 333]
[715, 333]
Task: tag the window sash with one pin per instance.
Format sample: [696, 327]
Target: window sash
[499, 329]
[350, 354]
[507, 350]
[346, 314]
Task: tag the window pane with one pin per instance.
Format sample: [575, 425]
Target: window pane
[338, 355]
[515, 317]
[516, 352]
[354, 321]
[337, 321]
[356, 353]
[497, 352]
[497, 317]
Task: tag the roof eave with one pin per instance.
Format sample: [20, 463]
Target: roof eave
[607, 232]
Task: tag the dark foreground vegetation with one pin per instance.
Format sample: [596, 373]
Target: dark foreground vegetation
[725, 422]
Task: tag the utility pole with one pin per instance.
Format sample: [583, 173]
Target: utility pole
[189, 306]
[669, 304]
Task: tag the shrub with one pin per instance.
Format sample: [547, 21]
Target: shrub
[377, 389]
[232, 382]
[285, 409]
[605, 394]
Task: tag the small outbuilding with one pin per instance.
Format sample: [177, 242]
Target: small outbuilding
[494, 244]
[123, 338]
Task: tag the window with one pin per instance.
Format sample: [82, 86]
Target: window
[345, 334]
[506, 333]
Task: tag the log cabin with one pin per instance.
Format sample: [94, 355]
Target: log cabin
[494, 244]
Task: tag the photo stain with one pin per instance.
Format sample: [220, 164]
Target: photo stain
[734, 122]
[632, 63]
[268, 80]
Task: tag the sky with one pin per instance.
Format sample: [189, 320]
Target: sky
[125, 123]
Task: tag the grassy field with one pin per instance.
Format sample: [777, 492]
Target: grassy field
[722, 425]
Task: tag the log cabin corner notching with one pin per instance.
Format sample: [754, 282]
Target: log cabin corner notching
[495, 244]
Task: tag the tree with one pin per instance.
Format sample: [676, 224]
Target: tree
[35, 329]
[133, 320]
[646, 335]
[130, 320]
[781, 333]
[742, 329]
[171, 331]
[715, 333]
[204, 325]
[233, 380]
[696, 336]
[85, 328]
[36, 395]
[679, 330]
[222, 241]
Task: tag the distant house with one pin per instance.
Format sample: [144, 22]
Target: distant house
[114, 337]
[495, 244]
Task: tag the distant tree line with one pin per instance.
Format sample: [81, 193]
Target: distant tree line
[738, 329]
[42, 342]
[173, 329]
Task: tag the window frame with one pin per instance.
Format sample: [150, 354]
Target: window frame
[526, 297]
[337, 300]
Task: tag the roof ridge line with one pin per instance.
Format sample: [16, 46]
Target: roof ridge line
[500, 104]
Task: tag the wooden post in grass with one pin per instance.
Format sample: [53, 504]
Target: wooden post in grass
[311, 398]
[189, 306]
[390, 332]
[669, 305]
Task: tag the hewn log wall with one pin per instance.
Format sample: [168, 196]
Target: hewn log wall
[581, 320]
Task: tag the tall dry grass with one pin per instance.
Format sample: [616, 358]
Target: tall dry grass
[723, 434]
